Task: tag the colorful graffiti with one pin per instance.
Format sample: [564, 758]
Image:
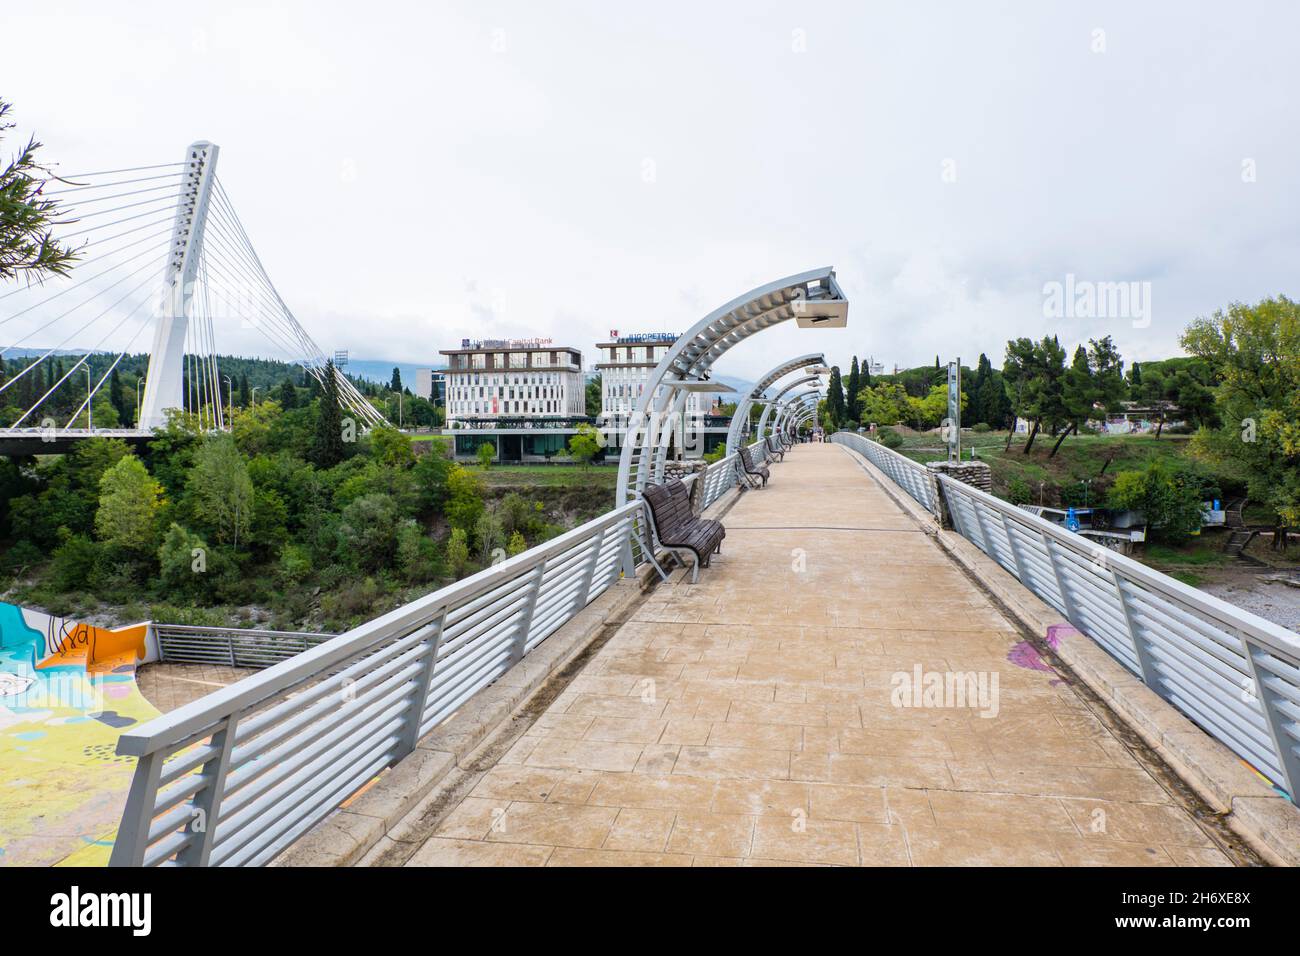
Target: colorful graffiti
[67, 690]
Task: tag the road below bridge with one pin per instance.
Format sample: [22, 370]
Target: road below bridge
[834, 690]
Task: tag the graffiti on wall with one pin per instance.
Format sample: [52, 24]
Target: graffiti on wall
[67, 691]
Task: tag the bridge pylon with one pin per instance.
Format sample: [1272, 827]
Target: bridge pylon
[164, 382]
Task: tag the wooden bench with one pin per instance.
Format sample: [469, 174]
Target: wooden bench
[749, 472]
[678, 529]
[775, 449]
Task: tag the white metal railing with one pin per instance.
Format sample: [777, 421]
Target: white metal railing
[1233, 673]
[236, 647]
[235, 777]
[911, 476]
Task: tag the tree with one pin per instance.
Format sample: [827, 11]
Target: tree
[27, 217]
[1036, 372]
[458, 551]
[852, 400]
[431, 473]
[244, 396]
[287, 395]
[486, 452]
[1077, 395]
[1170, 500]
[396, 384]
[836, 407]
[391, 448]
[368, 530]
[1254, 352]
[129, 502]
[464, 498]
[488, 531]
[220, 490]
[883, 404]
[593, 397]
[516, 545]
[327, 448]
[182, 558]
[585, 445]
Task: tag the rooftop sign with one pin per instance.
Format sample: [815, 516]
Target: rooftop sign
[644, 336]
[505, 343]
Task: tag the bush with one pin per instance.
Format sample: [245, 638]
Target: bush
[183, 560]
[981, 428]
[1170, 499]
[295, 563]
[889, 438]
[73, 567]
[1019, 492]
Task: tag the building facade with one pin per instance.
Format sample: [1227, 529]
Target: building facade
[524, 379]
[625, 364]
[431, 384]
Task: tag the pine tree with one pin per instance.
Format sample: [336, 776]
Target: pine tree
[396, 384]
[835, 397]
[854, 406]
[288, 395]
[327, 448]
[243, 391]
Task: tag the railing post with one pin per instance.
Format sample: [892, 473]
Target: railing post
[1273, 719]
[589, 572]
[526, 619]
[1015, 551]
[207, 801]
[423, 681]
[137, 817]
[1066, 603]
[984, 531]
[1150, 676]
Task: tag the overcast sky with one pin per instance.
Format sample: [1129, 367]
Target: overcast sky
[415, 173]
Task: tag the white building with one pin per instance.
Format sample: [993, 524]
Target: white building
[527, 379]
[625, 364]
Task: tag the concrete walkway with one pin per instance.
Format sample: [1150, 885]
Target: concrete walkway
[766, 715]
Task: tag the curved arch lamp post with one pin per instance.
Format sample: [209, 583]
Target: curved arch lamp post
[776, 403]
[740, 418]
[813, 299]
[793, 405]
[798, 412]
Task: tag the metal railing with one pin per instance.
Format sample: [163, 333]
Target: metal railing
[233, 646]
[1233, 673]
[235, 777]
[911, 476]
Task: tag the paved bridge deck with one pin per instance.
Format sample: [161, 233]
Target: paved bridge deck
[753, 718]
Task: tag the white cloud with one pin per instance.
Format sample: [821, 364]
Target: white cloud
[412, 175]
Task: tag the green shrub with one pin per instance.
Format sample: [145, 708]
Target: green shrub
[1019, 492]
[73, 566]
[889, 438]
[981, 428]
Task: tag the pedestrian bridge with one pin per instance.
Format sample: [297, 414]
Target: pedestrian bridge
[849, 683]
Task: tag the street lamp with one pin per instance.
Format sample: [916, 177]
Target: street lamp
[253, 395]
[230, 391]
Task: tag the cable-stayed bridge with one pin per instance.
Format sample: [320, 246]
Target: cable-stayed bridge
[164, 262]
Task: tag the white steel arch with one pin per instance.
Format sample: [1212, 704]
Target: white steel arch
[777, 403]
[814, 299]
[740, 418]
[796, 403]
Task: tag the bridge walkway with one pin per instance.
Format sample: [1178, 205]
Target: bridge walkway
[760, 717]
